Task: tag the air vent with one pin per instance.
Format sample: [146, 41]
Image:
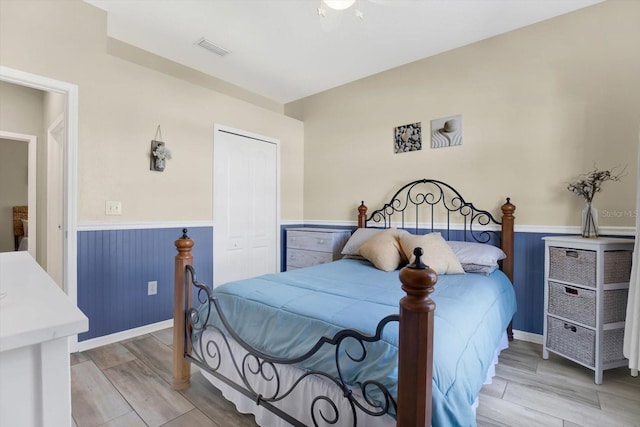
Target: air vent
[206, 44]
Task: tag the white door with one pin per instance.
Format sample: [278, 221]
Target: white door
[55, 193]
[246, 205]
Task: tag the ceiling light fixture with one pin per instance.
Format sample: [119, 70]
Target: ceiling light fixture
[339, 5]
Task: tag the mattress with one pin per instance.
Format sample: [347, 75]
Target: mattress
[285, 314]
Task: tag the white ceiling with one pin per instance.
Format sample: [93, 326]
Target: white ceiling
[283, 50]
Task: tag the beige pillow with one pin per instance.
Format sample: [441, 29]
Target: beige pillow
[383, 250]
[437, 254]
[358, 237]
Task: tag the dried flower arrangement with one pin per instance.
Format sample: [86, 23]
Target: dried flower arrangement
[162, 152]
[586, 187]
[591, 183]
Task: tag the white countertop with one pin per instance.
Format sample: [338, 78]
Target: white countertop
[34, 309]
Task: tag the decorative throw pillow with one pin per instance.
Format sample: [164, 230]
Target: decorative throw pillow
[383, 250]
[358, 237]
[437, 254]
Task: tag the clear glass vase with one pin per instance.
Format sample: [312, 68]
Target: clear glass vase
[589, 222]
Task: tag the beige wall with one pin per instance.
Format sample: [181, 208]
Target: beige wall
[121, 104]
[539, 106]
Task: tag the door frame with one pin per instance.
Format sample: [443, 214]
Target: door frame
[52, 230]
[70, 171]
[222, 128]
[32, 183]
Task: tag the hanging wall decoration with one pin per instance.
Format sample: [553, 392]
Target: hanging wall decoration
[159, 152]
[407, 138]
[446, 132]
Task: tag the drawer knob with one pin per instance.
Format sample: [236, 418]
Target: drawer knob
[568, 326]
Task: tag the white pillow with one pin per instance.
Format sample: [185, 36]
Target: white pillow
[477, 253]
[477, 268]
[25, 227]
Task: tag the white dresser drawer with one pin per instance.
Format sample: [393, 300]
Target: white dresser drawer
[301, 258]
[313, 241]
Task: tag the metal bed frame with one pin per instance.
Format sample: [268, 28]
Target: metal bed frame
[415, 318]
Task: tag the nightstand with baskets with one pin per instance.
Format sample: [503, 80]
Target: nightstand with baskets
[585, 300]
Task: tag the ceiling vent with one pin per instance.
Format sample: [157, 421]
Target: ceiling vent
[206, 44]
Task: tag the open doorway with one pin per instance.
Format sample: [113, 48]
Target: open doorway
[68, 198]
[18, 207]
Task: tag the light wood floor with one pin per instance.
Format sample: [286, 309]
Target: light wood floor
[127, 384]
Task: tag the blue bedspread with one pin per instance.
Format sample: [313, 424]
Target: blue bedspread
[285, 314]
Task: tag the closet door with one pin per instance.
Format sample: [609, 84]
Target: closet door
[246, 205]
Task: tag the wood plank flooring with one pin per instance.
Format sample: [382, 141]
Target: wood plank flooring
[127, 384]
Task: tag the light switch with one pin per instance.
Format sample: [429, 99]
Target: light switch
[113, 207]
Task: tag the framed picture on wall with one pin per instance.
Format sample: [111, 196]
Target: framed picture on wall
[446, 132]
[407, 138]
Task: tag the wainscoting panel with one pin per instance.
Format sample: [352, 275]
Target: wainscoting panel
[114, 267]
[528, 281]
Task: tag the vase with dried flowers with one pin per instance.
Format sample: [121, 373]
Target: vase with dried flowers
[160, 154]
[586, 186]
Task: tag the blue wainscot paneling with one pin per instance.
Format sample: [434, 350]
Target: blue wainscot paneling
[528, 281]
[114, 267]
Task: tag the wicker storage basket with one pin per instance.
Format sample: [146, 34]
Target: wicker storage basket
[579, 304]
[571, 340]
[579, 343]
[617, 266]
[573, 303]
[572, 265]
[579, 266]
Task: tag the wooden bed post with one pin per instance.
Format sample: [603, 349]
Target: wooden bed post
[507, 247]
[507, 237]
[181, 366]
[362, 215]
[415, 351]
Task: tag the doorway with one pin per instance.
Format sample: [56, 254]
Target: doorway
[32, 144]
[246, 205]
[69, 205]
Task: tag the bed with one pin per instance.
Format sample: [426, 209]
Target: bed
[21, 228]
[356, 341]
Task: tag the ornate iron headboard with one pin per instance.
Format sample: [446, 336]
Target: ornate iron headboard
[420, 202]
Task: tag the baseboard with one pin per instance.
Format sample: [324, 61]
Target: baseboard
[528, 336]
[119, 336]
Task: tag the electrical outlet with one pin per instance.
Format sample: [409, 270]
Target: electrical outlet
[113, 207]
[152, 287]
